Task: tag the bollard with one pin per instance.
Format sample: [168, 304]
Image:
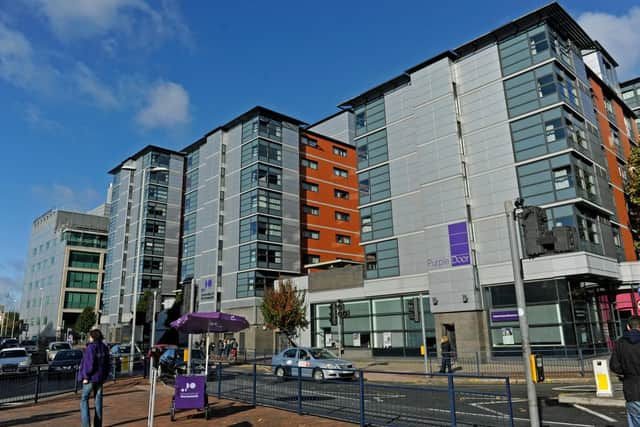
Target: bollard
[37, 384]
[255, 384]
[361, 383]
[452, 400]
[299, 390]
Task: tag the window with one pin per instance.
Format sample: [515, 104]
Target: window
[339, 151]
[340, 172]
[588, 229]
[311, 234]
[627, 125]
[191, 180]
[153, 246]
[306, 163]
[261, 126]
[538, 43]
[376, 222]
[370, 116]
[152, 265]
[340, 194]
[311, 259]
[151, 282]
[156, 210]
[157, 159]
[261, 228]
[381, 259]
[263, 150]
[262, 201]
[311, 210]
[154, 229]
[193, 159]
[546, 85]
[84, 260]
[79, 279]
[189, 246]
[585, 181]
[187, 268]
[189, 224]
[190, 202]
[374, 184]
[157, 193]
[309, 186]
[79, 300]
[260, 175]
[305, 140]
[342, 239]
[614, 140]
[159, 177]
[628, 94]
[342, 216]
[553, 130]
[372, 149]
[561, 179]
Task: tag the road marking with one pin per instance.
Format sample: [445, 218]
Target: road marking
[597, 414]
[555, 423]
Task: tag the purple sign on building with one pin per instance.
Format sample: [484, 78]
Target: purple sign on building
[459, 244]
[504, 316]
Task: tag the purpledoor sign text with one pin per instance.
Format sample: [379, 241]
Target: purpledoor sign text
[504, 316]
[459, 253]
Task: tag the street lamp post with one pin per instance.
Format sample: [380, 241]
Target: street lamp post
[138, 254]
[153, 321]
[40, 318]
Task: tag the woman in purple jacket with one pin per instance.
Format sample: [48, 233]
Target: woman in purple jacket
[94, 370]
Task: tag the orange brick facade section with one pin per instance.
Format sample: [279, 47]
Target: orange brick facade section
[327, 246]
[615, 162]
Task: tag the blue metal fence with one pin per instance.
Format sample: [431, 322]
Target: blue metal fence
[372, 397]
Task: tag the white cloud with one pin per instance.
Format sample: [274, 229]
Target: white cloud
[34, 117]
[136, 20]
[65, 197]
[90, 85]
[619, 35]
[18, 63]
[10, 290]
[167, 106]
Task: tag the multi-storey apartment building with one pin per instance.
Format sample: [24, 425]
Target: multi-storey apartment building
[631, 95]
[249, 189]
[442, 146]
[64, 270]
[144, 230]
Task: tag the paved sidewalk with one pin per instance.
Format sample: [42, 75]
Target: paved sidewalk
[126, 404]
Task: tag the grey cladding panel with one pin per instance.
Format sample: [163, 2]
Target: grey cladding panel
[489, 149]
[478, 69]
[483, 107]
[440, 159]
[443, 202]
[489, 191]
[405, 219]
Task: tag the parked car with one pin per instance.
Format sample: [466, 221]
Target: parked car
[55, 347]
[318, 363]
[30, 345]
[14, 360]
[161, 347]
[173, 361]
[118, 351]
[8, 343]
[65, 361]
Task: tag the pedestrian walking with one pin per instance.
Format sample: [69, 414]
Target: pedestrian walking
[94, 370]
[625, 361]
[447, 351]
[220, 348]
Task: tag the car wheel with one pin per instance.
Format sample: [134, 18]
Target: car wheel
[280, 373]
[318, 375]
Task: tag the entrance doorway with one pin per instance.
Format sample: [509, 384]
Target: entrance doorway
[449, 330]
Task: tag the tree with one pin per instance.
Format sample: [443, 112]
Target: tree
[633, 195]
[283, 308]
[10, 321]
[85, 321]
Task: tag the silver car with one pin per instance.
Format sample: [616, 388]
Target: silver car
[318, 363]
[55, 347]
[14, 361]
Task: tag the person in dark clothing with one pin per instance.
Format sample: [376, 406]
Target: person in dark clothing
[220, 348]
[446, 350]
[625, 361]
[94, 370]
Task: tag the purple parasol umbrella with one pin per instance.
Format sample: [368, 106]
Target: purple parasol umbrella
[200, 323]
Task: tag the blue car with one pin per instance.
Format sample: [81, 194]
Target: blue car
[317, 363]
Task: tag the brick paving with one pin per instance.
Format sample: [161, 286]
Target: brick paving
[126, 404]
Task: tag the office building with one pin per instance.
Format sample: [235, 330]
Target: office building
[64, 270]
[531, 110]
[144, 229]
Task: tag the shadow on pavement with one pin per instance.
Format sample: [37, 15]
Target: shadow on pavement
[40, 418]
[125, 422]
[224, 411]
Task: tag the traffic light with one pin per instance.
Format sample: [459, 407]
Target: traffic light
[537, 238]
[414, 309]
[333, 313]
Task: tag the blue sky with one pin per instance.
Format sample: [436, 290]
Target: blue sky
[85, 83]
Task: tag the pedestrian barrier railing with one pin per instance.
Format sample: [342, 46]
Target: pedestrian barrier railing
[41, 382]
[371, 397]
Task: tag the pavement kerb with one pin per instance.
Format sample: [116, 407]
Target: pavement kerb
[590, 399]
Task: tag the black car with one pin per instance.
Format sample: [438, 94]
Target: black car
[8, 343]
[65, 361]
[172, 361]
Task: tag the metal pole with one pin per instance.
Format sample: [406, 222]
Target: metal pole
[2, 321]
[153, 320]
[40, 318]
[206, 359]
[134, 303]
[516, 262]
[192, 286]
[339, 334]
[424, 333]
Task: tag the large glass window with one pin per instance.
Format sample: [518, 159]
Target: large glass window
[154, 228]
[372, 149]
[193, 159]
[262, 201]
[261, 126]
[261, 228]
[79, 300]
[253, 283]
[84, 260]
[189, 246]
[151, 265]
[191, 181]
[81, 279]
[376, 222]
[153, 246]
[156, 210]
[261, 175]
[189, 224]
[381, 259]
[370, 116]
[187, 268]
[261, 150]
[89, 240]
[374, 184]
[260, 255]
[157, 193]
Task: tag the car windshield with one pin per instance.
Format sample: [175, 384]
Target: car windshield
[13, 353]
[69, 355]
[321, 353]
[61, 346]
[28, 343]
